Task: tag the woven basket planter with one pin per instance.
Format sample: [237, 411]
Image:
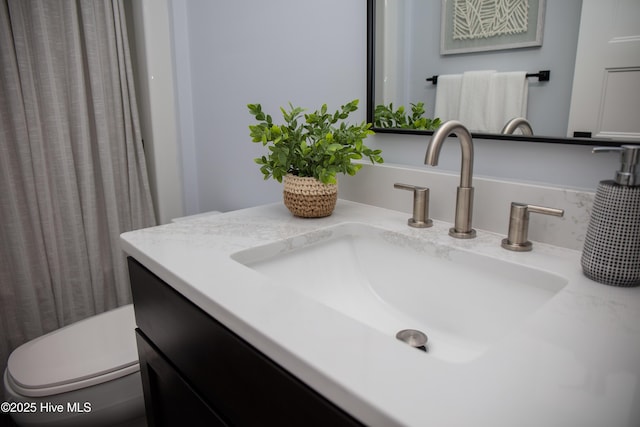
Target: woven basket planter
[309, 198]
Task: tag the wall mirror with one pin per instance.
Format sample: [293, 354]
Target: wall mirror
[404, 50]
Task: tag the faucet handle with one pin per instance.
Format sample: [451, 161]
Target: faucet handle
[517, 239]
[420, 217]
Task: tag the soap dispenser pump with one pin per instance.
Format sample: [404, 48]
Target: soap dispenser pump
[611, 252]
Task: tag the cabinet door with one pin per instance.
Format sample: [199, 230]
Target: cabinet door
[169, 399]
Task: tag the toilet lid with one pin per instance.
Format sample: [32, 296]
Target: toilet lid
[89, 352]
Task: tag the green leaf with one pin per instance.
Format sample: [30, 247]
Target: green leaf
[321, 146]
[387, 117]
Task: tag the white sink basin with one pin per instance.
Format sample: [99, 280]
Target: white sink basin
[463, 301]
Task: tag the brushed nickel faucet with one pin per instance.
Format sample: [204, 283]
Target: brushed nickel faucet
[518, 123]
[420, 218]
[464, 200]
[518, 237]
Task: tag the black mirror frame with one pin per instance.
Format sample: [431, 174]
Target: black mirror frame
[371, 33]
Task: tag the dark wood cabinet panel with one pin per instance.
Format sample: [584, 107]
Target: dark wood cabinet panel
[231, 377]
[169, 399]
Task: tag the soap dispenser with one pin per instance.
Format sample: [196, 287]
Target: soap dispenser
[611, 252]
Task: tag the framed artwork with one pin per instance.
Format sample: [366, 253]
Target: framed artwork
[482, 25]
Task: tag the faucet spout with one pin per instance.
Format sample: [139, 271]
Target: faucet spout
[518, 123]
[466, 143]
[464, 199]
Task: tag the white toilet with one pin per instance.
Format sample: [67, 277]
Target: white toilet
[85, 374]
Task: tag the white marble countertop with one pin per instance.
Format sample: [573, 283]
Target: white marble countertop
[574, 362]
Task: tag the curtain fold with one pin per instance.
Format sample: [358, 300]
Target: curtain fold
[72, 167]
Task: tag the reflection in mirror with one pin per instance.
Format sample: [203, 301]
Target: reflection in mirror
[519, 123]
[404, 50]
[387, 116]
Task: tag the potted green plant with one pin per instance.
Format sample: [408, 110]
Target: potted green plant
[386, 117]
[307, 151]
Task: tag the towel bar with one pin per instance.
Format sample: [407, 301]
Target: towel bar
[542, 75]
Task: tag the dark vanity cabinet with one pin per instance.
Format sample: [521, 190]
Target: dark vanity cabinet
[196, 372]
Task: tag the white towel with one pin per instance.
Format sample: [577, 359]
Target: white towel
[507, 99]
[448, 97]
[474, 94]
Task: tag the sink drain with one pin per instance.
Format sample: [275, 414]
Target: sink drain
[414, 338]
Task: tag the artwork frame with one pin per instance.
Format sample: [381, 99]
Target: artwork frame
[449, 45]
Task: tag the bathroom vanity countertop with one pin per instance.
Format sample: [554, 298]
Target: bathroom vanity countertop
[574, 362]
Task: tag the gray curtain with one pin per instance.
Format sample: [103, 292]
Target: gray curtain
[72, 167]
